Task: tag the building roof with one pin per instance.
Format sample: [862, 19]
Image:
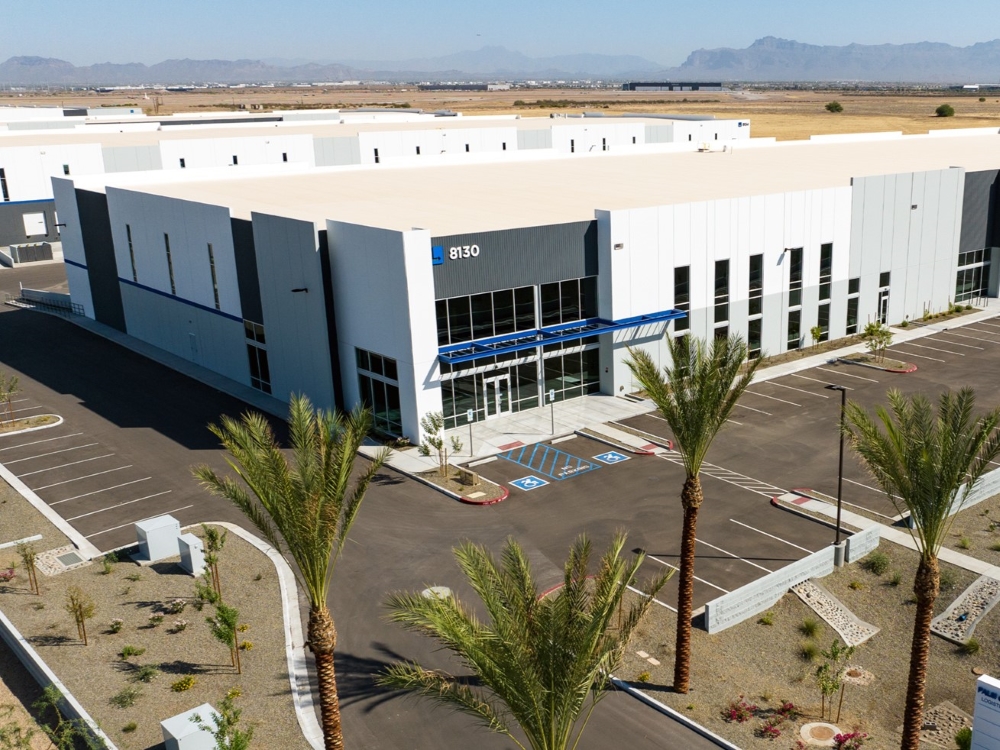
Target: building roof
[528, 189]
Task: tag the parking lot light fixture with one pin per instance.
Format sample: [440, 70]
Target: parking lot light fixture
[840, 468]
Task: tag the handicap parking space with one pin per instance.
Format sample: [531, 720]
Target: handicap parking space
[548, 461]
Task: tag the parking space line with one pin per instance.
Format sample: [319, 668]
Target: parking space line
[971, 338]
[634, 590]
[98, 492]
[51, 453]
[934, 348]
[778, 538]
[873, 489]
[759, 411]
[737, 557]
[919, 356]
[88, 476]
[979, 330]
[27, 408]
[773, 398]
[63, 466]
[133, 523]
[956, 343]
[847, 374]
[112, 507]
[816, 380]
[987, 323]
[36, 442]
[793, 388]
[674, 567]
[19, 400]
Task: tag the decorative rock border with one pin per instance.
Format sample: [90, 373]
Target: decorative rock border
[957, 622]
[853, 630]
[947, 718]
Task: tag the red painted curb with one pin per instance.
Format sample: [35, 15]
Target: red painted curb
[910, 368]
[494, 501]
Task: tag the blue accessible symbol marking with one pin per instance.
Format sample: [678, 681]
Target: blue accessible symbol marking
[612, 457]
[529, 483]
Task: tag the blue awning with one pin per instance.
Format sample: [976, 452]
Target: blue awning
[522, 340]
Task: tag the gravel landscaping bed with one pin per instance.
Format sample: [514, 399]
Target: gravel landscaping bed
[765, 663]
[20, 520]
[484, 492]
[95, 673]
[976, 531]
[27, 423]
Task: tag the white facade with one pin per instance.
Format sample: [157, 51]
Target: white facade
[225, 152]
[29, 170]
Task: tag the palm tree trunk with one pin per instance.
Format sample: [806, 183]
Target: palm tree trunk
[322, 641]
[926, 588]
[691, 498]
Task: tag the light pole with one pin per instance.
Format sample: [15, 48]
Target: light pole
[470, 415]
[840, 468]
[552, 408]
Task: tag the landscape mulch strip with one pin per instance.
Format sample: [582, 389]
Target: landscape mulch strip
[764, 662]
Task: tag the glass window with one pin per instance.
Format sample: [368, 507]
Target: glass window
[550, 304]
[795, 266]
[465, 395]
[794, 297]
[524, 308]
[722, 332]
[588, 297]
[363, 361]
[482, 316]
[721, 278]
[853, 286]
[389, 368]
[852, 315]
[682, 291]
[756, 305]
[591, 363]
[503, 311]
[883, 279]
[824, 291]
[823, 321]
[753, 338]
[459, 319]
[825, 260]
[376, 363]
[570, 293]
[527, 385]
[553, 377]
[448, 402]
[756, 274]
[441, 307]
[721, 312]
[794, 325]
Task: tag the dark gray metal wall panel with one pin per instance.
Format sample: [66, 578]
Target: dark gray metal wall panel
[99, 250]
[979, 211]
[246, 270]
[517, 257]
[331, 317]
[12, 223]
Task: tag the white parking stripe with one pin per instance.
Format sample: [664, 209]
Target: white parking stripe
[873, 489]
[971, 338]
[816, 380]
[112, 507]
[737, 557]
[63, 466]
[27, 408]
[759, 411]
[987, 323]
[51, 453]
[634, 590]
[674, 567]
[98, 492]
[956, 343]
[846, 374]
[793, 388]
[778, 538]
[934, 348]
[980, 330]
[133, 523]
[919, 356]
[57, 484]
[773, 398]
[36, 442]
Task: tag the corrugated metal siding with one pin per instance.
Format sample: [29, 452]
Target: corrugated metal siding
[337, 151]
[517, 257]
[659, 133]
[529, 139]
[979, 212]
[246, 270]
[99, 249]
[131, 158]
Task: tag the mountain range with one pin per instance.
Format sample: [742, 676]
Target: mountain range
[767, 59]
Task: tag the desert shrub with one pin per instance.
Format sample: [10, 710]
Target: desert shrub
[770, 728]
[945, 110]
[809, 651]
[947, 579]
[155, 620]
[146, 673]
[128, 652]
[184, 683]
[850, 740]
[895, 579]
[834, 107]
[126, 697]
[129, 728]
[179, 626]
[964, 543]
[643, 677]
[995, 547]
[970, 647]
[963, 738]
[809, 627]
[133, 577]
[877, 563]
[855, 585]
[175, 606]
[116, 625]
[767, 618]
[739, 710]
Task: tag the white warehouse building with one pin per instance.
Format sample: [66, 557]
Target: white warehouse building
[485, 284]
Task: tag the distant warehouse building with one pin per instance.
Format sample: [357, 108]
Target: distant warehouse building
[484, 286]
[670, 86]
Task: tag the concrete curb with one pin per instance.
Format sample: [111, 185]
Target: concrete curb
[910, 367]
[675, 715]
[59, 421]
[494, 501]
[87, 549]
[789, 509]
[44, 676]
[583, 432]
[298, 672]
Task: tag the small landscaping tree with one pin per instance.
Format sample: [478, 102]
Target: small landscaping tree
[834, 107]
[225, 727]
[878, 338]
[829, 673]
[432, 429]
[8, 389]
[945, 110]
[81, 608]
[817, 334]
[215, 540]
[224, 627]
[65, 734]
[28, 556]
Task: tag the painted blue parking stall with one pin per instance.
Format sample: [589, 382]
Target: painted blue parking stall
[611, 457]
[549, 461]
[529, 483]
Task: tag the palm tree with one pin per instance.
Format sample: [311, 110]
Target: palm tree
[695, 397]
[926, 464]
[537, 659]
[306, 505]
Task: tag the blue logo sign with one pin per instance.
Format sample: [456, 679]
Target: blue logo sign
[529, 483]
[612, 457]
[437, 255]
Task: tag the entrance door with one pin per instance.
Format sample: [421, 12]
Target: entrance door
[883, 306]
[497, 393]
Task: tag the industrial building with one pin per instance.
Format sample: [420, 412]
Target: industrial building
[39, 144]
[485, 284]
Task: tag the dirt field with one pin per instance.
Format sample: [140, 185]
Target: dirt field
[780, 114]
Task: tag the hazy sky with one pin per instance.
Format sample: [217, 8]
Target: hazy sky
[91, 31]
